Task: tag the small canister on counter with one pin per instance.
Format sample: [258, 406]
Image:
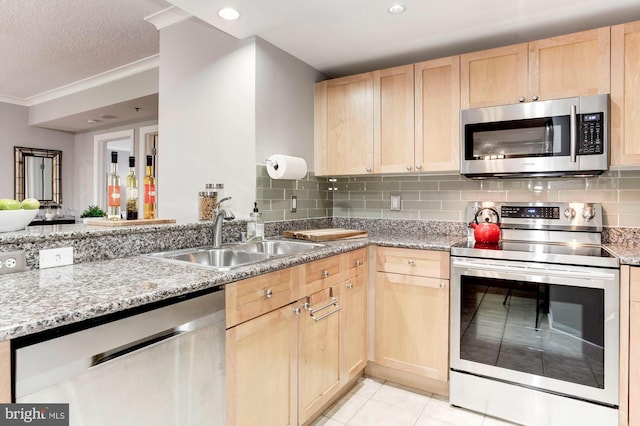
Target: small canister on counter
[207, 200]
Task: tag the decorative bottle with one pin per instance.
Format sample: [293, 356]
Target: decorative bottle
[149, 191]
[255, 225]
[113, 190]
[132, 191]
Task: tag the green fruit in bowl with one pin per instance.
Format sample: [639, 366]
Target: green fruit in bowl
[30, 204]
[9, 204]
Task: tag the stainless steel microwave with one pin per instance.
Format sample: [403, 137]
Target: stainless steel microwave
[560, 137]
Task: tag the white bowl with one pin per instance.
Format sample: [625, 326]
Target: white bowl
[16, 220]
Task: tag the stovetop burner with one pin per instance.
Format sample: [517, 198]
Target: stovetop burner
[559, 233]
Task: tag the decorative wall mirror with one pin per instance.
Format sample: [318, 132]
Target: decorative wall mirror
[38, 174]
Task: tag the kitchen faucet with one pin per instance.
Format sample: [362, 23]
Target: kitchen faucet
[218, 215]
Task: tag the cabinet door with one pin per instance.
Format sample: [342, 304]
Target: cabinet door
[354, 326]
[493, 77]
[319, 352]
[412, 324]
[5, 372]
[571, 65]
[625, 94]
[393, 120]
[344, 125]
[437, 115]
[634, 347]
[261, 370]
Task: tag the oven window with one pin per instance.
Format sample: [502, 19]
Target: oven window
[536, 137]
[547, 330]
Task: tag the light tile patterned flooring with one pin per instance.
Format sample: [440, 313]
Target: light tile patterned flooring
[373, 402]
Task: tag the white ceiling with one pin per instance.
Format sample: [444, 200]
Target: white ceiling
[46, 45]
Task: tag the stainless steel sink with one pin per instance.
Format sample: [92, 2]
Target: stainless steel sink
[235, 255]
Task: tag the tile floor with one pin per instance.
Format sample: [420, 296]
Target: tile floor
[373, 402]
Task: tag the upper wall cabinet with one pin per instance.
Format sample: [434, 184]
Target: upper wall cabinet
[344, 125]
[559, 67]
[397, 120]
[437, 115]
[625, 94]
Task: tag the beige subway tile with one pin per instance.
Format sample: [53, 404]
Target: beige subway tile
[602, 183]
[283, 183]
[402, 178]
[461, 185]
[314, 213]
[349, 204]
[383, 186]
[359, 195]
[629, 183]
[587, 196]
[339, 195]
[610, 220]
[528, 196]
[378, 204]
[440, 215]
[629, 208]
[350, 186]
[450, 205]
[263, 182]
[299, 214]
[439, 195]
[610, 208]
[483, 196]
[340, 211]
[421, 205]
[629, 173]
[430, 177]
[629, 195]
[629, 220]
[402, 214]
[269, 194]
[419, 186]
[366, 214]
[273, 215]
[308, 184]
[404, 195]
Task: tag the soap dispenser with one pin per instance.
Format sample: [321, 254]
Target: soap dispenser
[255, 225]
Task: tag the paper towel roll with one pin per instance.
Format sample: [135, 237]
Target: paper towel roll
[286, 167]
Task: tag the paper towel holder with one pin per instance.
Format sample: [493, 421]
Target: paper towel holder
[272, 163]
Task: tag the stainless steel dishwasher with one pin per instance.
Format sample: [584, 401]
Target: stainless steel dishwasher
[165, 366]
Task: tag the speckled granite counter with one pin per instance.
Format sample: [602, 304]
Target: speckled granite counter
[627, 255]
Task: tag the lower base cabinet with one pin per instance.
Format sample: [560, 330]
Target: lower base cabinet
[261, 370]
[634, 346]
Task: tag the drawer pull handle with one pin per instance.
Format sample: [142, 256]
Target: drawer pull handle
[411, 262]
[325, 274]
[316, 319]
[442, 285]
[268, 293]
[358, 263]
[349, 286]
[333, 301]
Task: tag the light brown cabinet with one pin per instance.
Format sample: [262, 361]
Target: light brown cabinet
[575, 64]
[261, 370]
[5, 372]
[295, 337]
[625, 94]
[344, 125]
[437, 115]
[412, 315]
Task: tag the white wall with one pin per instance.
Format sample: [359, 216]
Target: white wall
[206, 120]
[284, 104]
[15, 131]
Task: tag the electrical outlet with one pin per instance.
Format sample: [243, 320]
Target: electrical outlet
[395, 202]
[13, 261]
[56, 257]
[294, 203]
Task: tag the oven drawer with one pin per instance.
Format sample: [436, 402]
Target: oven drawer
[423, 263]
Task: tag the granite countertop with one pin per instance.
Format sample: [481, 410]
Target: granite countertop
[43, 299]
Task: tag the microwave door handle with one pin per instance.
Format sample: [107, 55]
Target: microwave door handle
[548, 135]
[574, 132]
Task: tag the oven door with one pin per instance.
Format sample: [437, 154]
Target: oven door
[552, 328]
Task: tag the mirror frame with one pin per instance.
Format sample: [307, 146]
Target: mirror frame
[20, 153]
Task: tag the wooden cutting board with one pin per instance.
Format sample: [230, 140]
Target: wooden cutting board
[325, 234]
[102, 222]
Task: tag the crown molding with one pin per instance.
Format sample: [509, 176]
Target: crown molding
[119, 73]
[167, 17]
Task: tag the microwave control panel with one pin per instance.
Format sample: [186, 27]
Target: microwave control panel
[590, 135]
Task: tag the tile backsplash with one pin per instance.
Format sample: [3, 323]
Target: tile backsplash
[441, 197]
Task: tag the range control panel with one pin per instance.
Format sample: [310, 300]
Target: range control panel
[538, 215]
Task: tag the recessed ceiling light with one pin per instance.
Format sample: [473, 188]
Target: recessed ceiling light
[93, 121]
[397, 8]
[228, 13]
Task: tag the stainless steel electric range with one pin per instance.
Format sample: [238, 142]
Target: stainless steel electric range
[534, 317]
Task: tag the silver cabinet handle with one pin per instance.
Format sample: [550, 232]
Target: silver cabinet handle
[316, 319]
[358, 263]
[296, 310]
[411, 262]
[325, 274]
[368, 169]
[418, 166]
[442, 285]
[268, 293]
[521, 99]
[534, 98]
[408, 167]
[349, 286]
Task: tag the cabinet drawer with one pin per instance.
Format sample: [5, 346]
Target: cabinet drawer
[357, 262]
[252, 297]
[424, 263]
[320, 274]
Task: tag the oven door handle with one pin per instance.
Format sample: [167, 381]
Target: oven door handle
[573, 124]
[572, 273]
